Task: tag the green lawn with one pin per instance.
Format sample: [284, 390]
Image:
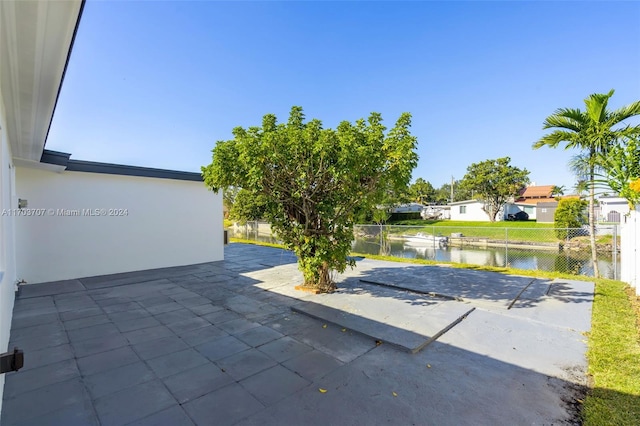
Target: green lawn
[614, 358]
[456, 223]
[512, 231]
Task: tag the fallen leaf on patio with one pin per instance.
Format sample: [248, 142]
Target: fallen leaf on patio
[322, 390]
[378, 342]
[394, 394]
[428, 365]
[344, 329]
[324, 326]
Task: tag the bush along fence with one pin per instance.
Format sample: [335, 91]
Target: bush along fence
[564, 250]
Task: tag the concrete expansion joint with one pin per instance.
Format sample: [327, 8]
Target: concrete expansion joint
[520, 293]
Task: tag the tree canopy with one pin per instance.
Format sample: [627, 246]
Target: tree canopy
[421, 191]
[313, 179]
[494, 182]
[595, 131]
[247, 206]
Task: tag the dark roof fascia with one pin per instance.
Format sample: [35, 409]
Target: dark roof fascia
[55, 157]
[62, 159]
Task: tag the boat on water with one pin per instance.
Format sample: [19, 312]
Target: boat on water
[421, 239]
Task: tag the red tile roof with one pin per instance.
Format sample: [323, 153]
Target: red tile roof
[534, 201]
[543, 191]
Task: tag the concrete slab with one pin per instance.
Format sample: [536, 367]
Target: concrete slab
[403, 319]
[173, 363]
[174, 416]
[274, 384]
[232, 403]
[47, 289]
[196, 382]
[284, 349]
[518, 358]
[245, 364]
[115, 380]
[134, 403]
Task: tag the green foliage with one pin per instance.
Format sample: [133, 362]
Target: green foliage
[422, 192]
[594, 131]
[248, 206]
[380, 216]
[442, 195]
[229, 197]
[494, 182]
[569, 214]
[622, 166]
[557, 191]
[313, 180]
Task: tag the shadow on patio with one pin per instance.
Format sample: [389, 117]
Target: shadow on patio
[205, 344]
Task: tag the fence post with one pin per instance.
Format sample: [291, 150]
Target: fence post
[433, 232]
[506, 247]
[615, 252]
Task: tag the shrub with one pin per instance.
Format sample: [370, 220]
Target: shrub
[569, 214]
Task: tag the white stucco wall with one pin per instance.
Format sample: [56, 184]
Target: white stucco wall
[164, 223]
[7, 252]
[607, 205]
[474, 212]
[629, 250]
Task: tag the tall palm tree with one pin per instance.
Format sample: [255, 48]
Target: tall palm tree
[594, 131]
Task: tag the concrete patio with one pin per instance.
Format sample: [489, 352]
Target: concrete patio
[232, 342]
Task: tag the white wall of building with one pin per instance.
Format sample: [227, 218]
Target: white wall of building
[7, 253]
[630, 250]
[613, 204]
[472, 212]
[514, 208]
[154, 223]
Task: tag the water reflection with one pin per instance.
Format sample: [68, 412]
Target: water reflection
[567, 261]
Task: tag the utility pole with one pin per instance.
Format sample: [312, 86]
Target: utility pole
[452, 188]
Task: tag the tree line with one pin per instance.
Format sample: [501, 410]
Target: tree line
[313, 183]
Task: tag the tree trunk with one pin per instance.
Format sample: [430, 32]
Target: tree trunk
[317, 279]
[592, 223]
[325, 284]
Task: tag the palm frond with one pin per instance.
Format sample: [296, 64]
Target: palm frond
[596, 106]
[567, 118]
[621, 114]
[553, 139]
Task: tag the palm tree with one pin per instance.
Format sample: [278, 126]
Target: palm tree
[557, 191]
[594, 130]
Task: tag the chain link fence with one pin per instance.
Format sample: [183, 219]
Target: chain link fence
[566, 250]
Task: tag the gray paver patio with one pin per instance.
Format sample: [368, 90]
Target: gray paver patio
[218, 344]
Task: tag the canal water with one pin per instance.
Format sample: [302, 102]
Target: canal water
[567, 261]
[578, 263]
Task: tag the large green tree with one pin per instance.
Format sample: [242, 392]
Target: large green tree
[248, 206]
[314, 179]
[594, 131]
[421, 191]
[494, 182]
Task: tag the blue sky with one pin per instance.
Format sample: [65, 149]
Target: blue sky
[157, 83]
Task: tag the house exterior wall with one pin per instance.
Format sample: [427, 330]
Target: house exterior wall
[545, 212]
[7, 252]
[630, 249]
[607, 206]
[473, 212]
[155, 223]
[513, 208]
